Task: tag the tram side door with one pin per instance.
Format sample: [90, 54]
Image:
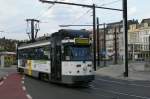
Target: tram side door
[56, 63]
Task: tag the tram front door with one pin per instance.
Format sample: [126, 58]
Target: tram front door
[56, 63]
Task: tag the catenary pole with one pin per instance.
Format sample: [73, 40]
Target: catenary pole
[125, 31]
[98, 43]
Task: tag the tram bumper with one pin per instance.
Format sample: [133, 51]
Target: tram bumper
[77, 79]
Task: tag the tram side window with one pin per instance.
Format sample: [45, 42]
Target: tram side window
[42, 53]
[22, 54]
[39, 53]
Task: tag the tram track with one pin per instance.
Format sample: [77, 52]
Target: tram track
[95, 89]
[90, 90]
[119, 94]
[121, 88]
[123, 83]
[82, 90]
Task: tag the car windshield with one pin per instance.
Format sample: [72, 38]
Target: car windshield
[80, 53]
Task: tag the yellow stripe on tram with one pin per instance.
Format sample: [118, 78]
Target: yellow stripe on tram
[30, 67]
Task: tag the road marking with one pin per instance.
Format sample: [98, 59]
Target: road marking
[23, 78]
[1, 83]
[137, 85]
[28, 96]
[24, 88]
[4, 78]
[119, 93]
[22, 82]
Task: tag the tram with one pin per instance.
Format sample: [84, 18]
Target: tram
[64, 58]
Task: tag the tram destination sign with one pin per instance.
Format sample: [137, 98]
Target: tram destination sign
[81, 41]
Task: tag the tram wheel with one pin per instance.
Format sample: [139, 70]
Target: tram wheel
[21, 71]
[43, 76]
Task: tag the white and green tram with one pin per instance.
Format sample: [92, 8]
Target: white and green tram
[64, 58]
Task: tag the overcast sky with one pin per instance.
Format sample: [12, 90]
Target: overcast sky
[13, 14]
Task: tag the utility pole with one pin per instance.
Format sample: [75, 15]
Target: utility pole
[116, 47]
[125, 25]
[133, 54]
[104, 44]
[94, 35]
[149, 48]
[98, 43]
[34, 30]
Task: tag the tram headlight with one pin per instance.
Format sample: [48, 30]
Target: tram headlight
[89, 65]
[70, 72]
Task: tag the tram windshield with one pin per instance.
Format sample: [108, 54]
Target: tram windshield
[80, 53]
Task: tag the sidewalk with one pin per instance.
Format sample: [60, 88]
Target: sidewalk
[137, 71]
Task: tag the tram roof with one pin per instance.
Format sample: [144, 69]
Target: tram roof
[35, 44]
[71, 33]
[63, 33]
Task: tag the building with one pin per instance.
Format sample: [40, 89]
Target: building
[7, 59]
[138, 35]
[145, 38]
[138, 39]
[134, 41]
[115, 40]
[112, 41]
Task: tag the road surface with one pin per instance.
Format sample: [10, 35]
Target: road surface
[101, 88]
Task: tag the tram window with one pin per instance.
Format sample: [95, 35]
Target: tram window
[39, 53]
[80, 53]
[22, 54]
[47, 52]
[42, 53]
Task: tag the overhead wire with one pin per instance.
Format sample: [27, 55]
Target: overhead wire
[90, 9]
[93, 1]
[77, 19]
[109, 3]
[38, 17]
